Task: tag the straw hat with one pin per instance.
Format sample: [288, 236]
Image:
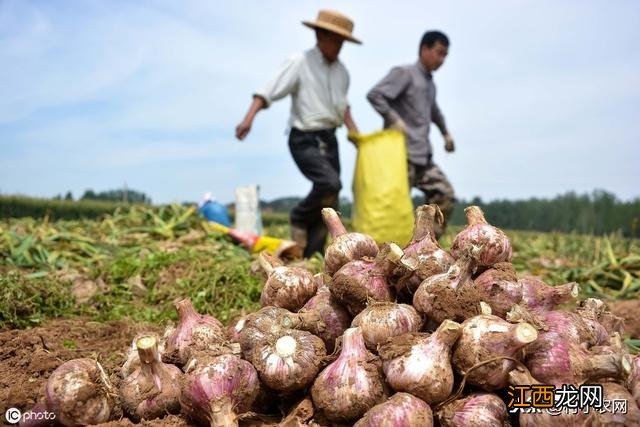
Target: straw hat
[335, 22]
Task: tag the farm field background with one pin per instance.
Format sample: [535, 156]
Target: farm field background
[134, 264]
[83, 288]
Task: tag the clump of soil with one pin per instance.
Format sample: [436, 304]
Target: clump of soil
[628, 311]
[442, 302]
[399, 345]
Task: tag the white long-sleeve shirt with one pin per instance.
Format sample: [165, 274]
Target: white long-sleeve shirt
[318, 90]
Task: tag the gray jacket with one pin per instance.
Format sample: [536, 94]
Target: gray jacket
[409, 92]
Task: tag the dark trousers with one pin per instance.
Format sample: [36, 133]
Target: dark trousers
[316, 155]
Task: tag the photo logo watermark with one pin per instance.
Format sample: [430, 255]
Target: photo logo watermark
[568, 399]
[14, 415]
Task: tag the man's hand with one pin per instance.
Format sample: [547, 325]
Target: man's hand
[242, 130]
[448, 143]
[352, 136]
[399, 125]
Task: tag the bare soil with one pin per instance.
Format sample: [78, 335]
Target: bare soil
[629, 311]
[29, 356]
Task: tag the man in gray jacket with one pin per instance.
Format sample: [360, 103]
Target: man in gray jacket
[406, 100]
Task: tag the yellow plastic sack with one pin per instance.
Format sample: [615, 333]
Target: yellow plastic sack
[382, 205]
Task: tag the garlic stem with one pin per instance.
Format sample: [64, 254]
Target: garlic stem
[333, 223]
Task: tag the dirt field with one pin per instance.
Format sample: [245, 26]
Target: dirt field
[28, 357]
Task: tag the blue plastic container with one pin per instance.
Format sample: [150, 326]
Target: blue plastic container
[215, 212]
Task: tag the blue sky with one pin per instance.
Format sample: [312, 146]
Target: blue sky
[542, 97]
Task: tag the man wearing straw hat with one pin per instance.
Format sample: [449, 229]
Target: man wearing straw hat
[317, 82]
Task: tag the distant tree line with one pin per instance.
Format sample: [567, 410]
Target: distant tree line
[16, 206]
[599, 212]
[120, 196]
